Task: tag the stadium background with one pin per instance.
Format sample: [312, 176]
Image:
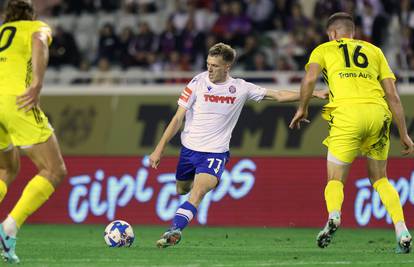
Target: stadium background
[117, 67]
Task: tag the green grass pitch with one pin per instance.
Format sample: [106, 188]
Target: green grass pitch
[83, 245]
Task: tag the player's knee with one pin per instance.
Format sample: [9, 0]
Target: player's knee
[62, 171]
[59, 172]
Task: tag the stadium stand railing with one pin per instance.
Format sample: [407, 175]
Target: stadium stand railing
[133, 81]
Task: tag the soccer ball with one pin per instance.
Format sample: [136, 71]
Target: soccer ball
[119, 234]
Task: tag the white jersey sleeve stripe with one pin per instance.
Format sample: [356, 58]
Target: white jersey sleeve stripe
[185, 95]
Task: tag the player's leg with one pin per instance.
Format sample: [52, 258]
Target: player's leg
[334, 190]
[343, 146]
[48, 159]
[208, 168]
[9, 167]
[185, 175]
[203, 183]
[184, 180]
[376, 147]
[334, 197]
[391, 200]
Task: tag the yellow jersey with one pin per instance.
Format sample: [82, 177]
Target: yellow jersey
[353, 71]
[16, 54]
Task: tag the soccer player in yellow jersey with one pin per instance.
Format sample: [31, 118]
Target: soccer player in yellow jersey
[23, 59]
[363, 100]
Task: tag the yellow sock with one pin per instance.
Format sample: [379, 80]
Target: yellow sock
[390, 199]
[36, 192]
[3, 190]
[334, 195]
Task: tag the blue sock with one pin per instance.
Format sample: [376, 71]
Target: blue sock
[183, 215]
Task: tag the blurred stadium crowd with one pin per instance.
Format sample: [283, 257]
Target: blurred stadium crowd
[174, 35]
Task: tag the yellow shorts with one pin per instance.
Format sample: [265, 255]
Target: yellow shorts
[359, 128]
[21, 128]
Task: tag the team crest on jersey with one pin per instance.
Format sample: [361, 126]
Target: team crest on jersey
[232, 89]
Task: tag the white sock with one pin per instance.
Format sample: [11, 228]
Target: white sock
[10, 227]
[399, 228]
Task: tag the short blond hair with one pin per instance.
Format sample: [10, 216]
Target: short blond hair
[225, 51]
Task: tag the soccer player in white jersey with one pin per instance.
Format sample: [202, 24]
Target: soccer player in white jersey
[211, 104]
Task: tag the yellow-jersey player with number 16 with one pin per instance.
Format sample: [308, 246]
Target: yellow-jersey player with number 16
[24, 55]
[355, 69]
[363, 101]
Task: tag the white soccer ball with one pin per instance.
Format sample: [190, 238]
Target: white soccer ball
[119, 234]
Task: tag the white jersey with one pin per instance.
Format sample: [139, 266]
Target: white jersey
[213, 111]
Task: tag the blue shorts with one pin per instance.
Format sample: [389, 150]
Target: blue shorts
[193, 162]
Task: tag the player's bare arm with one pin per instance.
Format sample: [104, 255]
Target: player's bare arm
[40, 58]
[291, 96]
[306, 92]
[171, 130]
[397, 111]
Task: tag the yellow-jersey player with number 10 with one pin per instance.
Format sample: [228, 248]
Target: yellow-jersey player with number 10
[24, 55]
[15, 77]
[362, 102]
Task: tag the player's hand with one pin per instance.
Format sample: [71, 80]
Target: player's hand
[30, 98]
[155, 159]
[322, 94]
[300, 116]
[407, 144]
